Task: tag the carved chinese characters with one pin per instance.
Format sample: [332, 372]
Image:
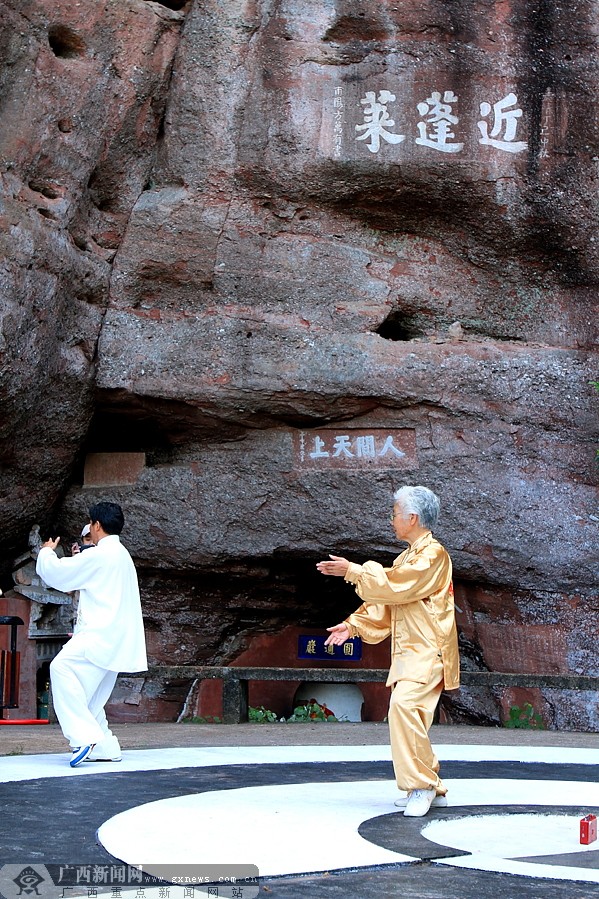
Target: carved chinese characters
[349, 448]
[384, 119]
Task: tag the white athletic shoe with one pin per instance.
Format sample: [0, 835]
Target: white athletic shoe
[439, 801]
[108, 750]
[80, 754]
[419, 802]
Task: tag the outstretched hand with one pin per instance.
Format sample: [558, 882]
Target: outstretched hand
[337, 567]
[52, 544]
[337, 634]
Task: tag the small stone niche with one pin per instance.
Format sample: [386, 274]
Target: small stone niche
[113, 469]
[65, 43]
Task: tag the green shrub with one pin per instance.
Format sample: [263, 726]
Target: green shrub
[199, 719]
[525, 717]
[312, 711]
[261, 715]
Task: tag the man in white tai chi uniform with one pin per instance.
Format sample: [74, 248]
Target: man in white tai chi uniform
[108, 636]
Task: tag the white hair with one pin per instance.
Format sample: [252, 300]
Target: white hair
[421, 502]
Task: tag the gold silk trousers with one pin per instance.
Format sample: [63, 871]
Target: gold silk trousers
[411, 710]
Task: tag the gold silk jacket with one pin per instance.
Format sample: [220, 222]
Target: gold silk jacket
[413, 603]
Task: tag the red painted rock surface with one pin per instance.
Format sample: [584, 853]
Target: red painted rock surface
[339, 247]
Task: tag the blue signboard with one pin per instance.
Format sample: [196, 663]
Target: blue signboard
[313, 648]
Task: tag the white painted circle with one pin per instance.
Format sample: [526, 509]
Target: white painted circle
[299, 828]
[510, 836]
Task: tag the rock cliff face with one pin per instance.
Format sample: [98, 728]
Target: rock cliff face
[82, 93]
[298, 254]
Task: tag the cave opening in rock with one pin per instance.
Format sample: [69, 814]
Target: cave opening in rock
[65, 43]
[399, 326]
[214, 616]
[253, 613]
[173, 4]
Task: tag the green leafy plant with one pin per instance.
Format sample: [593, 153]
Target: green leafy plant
[200, 719]
[312, 711]
[524, 717]
[261, 715]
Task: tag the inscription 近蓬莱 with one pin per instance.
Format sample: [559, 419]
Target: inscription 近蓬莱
[381, 118]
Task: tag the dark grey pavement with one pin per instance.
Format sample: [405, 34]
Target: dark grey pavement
[55, 820]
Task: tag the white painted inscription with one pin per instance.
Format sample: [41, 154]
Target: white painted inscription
[338, 106]
[386, 121]
[435, 131]
[353, 448]
[377, 121]
[505, 123]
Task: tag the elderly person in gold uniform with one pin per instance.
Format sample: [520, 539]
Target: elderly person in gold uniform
[412, 602]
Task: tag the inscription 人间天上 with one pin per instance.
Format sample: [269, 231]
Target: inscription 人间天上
[349, 448]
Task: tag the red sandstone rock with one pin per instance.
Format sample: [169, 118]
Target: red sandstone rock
[83, 94]
[264, 266]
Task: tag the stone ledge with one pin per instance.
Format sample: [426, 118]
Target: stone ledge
[236, 679]
[347, 675]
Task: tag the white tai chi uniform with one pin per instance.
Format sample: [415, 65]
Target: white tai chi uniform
[108, 636]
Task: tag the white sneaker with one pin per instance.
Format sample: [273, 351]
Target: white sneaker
[419, 802]
[440, 801]
[109, 750]
[80, 754]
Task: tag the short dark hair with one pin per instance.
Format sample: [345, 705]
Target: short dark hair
[109, 515]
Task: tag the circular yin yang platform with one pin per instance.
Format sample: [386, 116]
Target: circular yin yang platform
[294, 828]
[307, 810]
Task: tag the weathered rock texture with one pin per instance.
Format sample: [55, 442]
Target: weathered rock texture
[209, 267]
[82, 93]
